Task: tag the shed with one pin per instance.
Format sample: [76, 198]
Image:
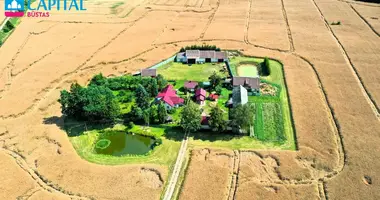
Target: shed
[149, 72]
[190, 85]
[239, 95]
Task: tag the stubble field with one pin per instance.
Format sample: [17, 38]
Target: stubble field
[331, 73]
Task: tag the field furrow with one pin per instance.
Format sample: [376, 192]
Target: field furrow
[356, 121]
[267, 26]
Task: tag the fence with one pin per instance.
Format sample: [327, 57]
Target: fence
[163, 62]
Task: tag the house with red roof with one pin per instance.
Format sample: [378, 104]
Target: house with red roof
[213, 97]
[169, 97]
[200, 95]
[190, 85]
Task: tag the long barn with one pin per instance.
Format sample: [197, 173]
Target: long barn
[199, 56]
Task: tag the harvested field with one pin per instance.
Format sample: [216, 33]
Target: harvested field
[217, 166]
[331, 76]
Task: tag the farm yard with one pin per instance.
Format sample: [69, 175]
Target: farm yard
[329, 74]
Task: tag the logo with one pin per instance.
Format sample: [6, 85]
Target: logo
[14, 8]
[40, 8]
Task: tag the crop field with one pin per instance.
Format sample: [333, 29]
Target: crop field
[330, 73]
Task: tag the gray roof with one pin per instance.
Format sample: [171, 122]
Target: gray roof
[252, 82]
[239, 95]
[192, 53]
[180, 55]
[207, 54]
[221, 55]
[149, 72]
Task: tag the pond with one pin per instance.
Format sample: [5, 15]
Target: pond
[118, 143]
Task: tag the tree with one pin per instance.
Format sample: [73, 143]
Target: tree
[99, 80]
[146, 116]
[101, 104]
[161, 82]
[265, 69]
[242, 116]
[136, 113]
[216, 119]
[162, 113]
[153, 88]
[218, 89]
[142, 97]
[190, 117]
[215, 80]
[153, 113]
[92, 103]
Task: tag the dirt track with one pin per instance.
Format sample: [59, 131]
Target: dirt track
[332, 81]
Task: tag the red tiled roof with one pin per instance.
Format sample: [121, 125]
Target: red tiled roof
[190, 84]
[214, 96]
[169, 96]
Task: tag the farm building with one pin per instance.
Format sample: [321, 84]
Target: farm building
[149, 72]
[190, 85]
[250, 83]
[198, 56]
[239, 96]
[169, 97]
[200, 95]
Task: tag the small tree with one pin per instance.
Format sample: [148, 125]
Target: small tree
[265, 67]
[242, 116]
[153, 113]
[136, 113]
[218, 89]
[99, 80]
[162, 113]
[190, 117]
[142, 97]
[216, 119]
[215, 80]
[161, 82]
[146, 116]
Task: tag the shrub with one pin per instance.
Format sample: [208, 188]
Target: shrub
[131, 124]
[336, 23]
[172, 111]
[264, 69]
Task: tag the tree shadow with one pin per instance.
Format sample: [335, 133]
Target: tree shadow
[214, 136]
[174, 133]
[74, 127]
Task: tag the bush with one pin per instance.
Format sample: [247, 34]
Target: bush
[264, 69]
[131, 124]
[172, 111]
[202, 47]
[336, 23]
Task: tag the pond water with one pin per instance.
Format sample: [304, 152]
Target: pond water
[125, 143]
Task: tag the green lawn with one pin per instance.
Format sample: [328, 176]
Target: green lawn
[195, 72]
[247, 71]
[84, 141]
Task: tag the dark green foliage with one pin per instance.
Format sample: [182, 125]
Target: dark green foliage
[8, 27]
[172, 111]
[152, 87]
[92, 103]
[142, 97]
[215, 80]
[190, 117]
[218, 89]
[242, 116]
[264, 69]
[161, 82]
[146, 116]
[99, 80]
[136, 114]
[202, 47]
[153, 113]
[216, 119]
[131, 124]
[124, 96]
[161, 113]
